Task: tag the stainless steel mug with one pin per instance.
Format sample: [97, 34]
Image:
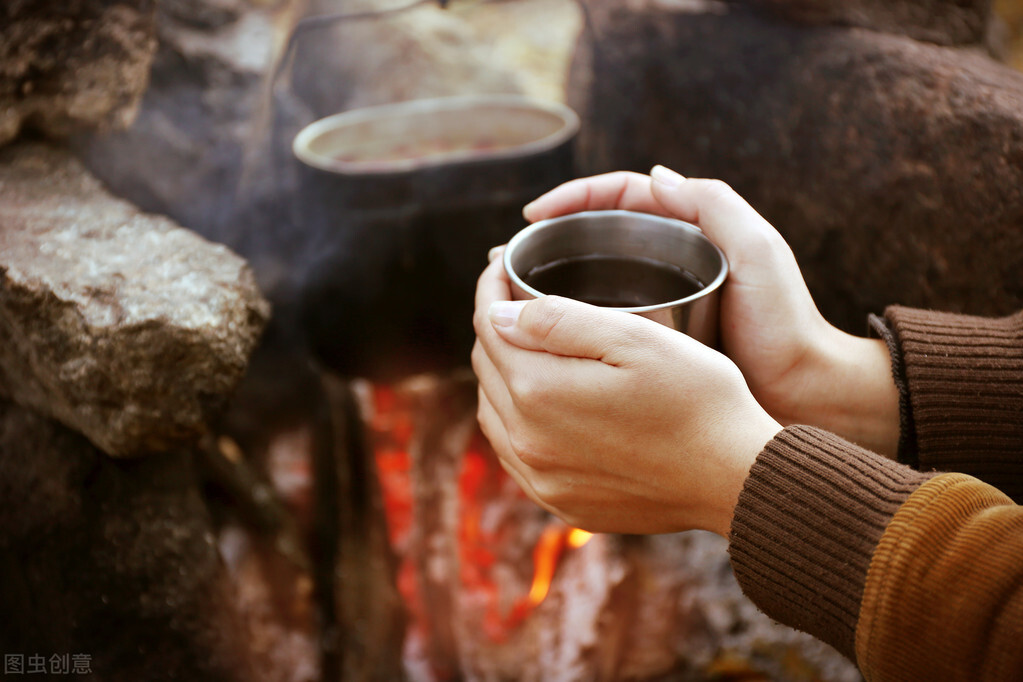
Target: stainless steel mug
[627, 236]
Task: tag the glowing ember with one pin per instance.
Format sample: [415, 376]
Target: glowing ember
[481, 480]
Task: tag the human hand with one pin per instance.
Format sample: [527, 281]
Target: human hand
[798, 366]
[609, 420]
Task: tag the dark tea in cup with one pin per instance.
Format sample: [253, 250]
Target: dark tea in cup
[614, 281]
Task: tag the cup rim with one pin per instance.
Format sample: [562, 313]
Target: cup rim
[302, 142]
[530, 230]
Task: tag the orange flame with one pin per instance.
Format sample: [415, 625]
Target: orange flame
[546, 555]
[545, 559]
[577, 537]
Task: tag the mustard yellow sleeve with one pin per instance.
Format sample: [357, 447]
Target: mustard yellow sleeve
[916, 576]
[943, 598]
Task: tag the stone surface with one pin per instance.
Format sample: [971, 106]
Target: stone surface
[113, 560]
[197, 117]
[938, 21]
[119, 324]
[67, 66]
[893, 167]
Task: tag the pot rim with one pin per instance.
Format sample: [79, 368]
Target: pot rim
[301, 145]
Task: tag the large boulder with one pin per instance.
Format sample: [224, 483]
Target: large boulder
[117, 323]
[894, 167]
[66, 65]
[937, 21]
[198, 117]
[111, 562]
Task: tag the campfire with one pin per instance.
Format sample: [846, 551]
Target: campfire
[493, 587]
[297, 488]
[238, 434]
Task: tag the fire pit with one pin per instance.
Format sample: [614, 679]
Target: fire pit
[344, 518]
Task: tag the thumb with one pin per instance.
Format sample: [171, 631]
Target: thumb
[563, 326]
[717, 209]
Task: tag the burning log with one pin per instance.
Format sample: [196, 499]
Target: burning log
[369, 618]
[443, 424]
[497, 589]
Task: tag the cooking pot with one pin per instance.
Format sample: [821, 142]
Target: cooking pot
[404, 201]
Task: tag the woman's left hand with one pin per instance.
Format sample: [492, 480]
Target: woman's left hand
[609, 420]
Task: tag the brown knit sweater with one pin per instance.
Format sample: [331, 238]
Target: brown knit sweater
[913, 573]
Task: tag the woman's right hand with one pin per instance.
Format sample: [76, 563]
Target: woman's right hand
[799, 367]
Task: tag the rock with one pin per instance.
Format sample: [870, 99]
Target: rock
[893, 167]
[198, 117]
[937, 21]
[209, 14]
[119, 324]
[68, 66]
[112, 560]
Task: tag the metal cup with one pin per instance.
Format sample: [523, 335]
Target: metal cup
[631, 235]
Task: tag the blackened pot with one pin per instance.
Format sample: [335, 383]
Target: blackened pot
[405, 201]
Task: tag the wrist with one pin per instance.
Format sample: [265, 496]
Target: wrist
[745, 447]
[848, 389]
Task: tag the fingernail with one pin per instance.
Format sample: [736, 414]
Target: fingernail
[666, 176]
[504, 313]
[494, 253]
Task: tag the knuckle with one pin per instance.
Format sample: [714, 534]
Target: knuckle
[548, 314]
[476, 357]
[524, 389]
[479, 319]
[481, 407]
[623, 177]
[526, 450]
[718, 189]
[548, 491]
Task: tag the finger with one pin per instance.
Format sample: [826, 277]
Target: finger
[493, 288]
[493, 429]
[492, 383]
[565, 327]
[724, 216]
[495, 253]
[621, 189]
[497, 362]
[514, 378]
[493, 285]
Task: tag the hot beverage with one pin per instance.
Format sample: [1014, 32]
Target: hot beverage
[613, 281]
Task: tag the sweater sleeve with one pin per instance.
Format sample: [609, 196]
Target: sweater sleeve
[913, 575]
[962, 385]
[808, 520]
[943, 599]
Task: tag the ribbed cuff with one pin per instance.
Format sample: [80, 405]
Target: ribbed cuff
[806, 526]
[965, 384]
[906, 450]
